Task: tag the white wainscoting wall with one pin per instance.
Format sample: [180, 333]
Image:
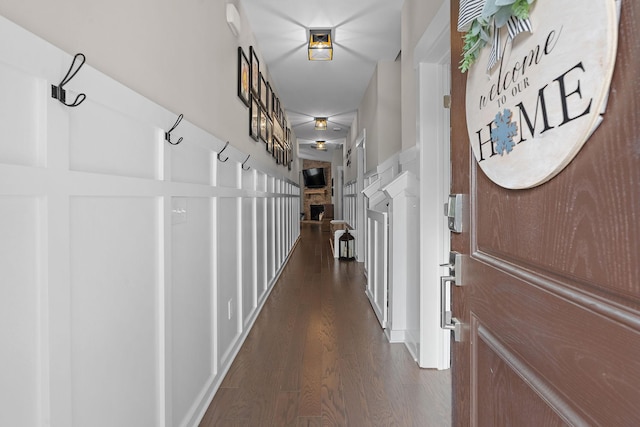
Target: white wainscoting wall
[392, 257]
[131, 269]
[349, 203]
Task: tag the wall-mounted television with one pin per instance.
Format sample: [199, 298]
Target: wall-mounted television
[314, 178]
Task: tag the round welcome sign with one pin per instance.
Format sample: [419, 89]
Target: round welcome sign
[531, 112]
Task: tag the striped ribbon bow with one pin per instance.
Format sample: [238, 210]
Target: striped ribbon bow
[471, 10]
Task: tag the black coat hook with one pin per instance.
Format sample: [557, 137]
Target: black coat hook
[59, 93]
[223, 148]
[245, 161]
[167, 135]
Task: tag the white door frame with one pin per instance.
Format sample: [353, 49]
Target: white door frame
[338, 183]
[361, 215]
[432, 61]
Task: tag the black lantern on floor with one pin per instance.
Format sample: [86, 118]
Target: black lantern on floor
[347, 246]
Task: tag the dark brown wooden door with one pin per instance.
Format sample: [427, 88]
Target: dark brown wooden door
[551, 295]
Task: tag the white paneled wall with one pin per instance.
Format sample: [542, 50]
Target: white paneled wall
[378, 263]
[349, 203]
[131, 269]
[391, 197]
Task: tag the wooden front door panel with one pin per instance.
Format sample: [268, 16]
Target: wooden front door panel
[551, 295]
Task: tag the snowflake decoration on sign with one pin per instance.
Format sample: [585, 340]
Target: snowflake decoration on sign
[502, 135]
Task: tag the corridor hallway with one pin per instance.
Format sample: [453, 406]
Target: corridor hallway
[317, 356]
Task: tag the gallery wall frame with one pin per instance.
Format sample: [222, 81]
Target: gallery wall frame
[269, 99]
[263, 92]
[244, 77]
[254, 119]
[255, 71]
[270, 139]
[263, 126]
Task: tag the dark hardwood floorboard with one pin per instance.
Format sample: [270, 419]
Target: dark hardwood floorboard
[309, 422]
[311, 375]
[286, 409]
[317, 356]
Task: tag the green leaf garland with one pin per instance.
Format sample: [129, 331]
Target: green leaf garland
[498, 11]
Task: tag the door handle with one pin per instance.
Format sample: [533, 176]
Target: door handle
[448, 322]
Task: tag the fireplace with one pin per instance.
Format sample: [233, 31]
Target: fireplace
[315, 211]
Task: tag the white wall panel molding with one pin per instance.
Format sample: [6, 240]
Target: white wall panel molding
[377, 200]
[377, 264]
[404, 256]
[132, 269]
[410, 160]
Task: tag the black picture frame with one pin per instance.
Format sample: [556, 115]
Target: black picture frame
[254, 118]
[273, 102]
[263, 126]
[263, 92]
[255, 71]
[269, 135]
[244, 77]
[269, 99]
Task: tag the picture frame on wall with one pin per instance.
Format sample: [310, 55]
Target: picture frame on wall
[254, 118]
[286, 154]
[278, 132]
[269, 135]
[263, 92]
[269, 99]
[255, 71]
[244, 77]
[263, 125]
[273, 101]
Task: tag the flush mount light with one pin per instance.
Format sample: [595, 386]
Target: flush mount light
[321, 123]
[320, 45]
[320, 145]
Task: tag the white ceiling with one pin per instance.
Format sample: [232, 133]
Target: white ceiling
[364, 31]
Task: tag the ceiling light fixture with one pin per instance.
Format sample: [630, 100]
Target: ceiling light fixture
[320, 145]
[321, 123]
[320, 45]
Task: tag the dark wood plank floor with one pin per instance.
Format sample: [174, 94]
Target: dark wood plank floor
[317, 356]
